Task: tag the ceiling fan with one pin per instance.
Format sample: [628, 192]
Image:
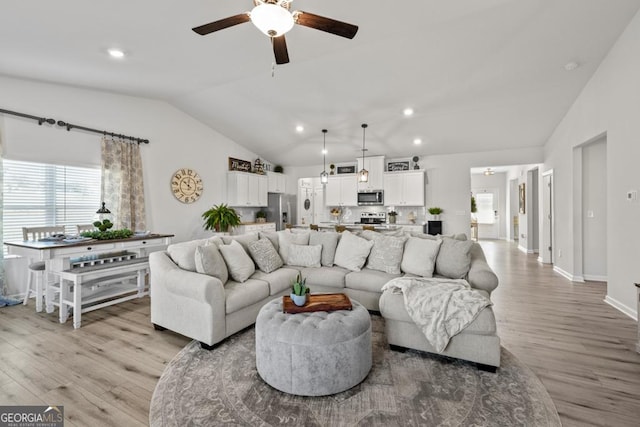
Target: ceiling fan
[274, 18]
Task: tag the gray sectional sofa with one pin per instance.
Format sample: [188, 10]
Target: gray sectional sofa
[209, 289]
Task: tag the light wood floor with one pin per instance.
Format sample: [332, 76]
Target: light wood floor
[105, 372]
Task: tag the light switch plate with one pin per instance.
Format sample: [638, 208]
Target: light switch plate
[632, 195]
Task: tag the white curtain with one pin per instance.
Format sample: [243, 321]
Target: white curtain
[3, 286]
[122, 185]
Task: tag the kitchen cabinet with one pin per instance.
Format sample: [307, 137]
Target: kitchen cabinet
[253, 227]
[404, 188]
[246, 189]
[342, 190]
[277, 182]
[375, 166]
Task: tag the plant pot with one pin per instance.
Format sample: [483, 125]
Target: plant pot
[392, 219]
[260, 220]
[299, 300]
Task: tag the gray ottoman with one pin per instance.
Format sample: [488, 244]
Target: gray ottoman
[313, 354]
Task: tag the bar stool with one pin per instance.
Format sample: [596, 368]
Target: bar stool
[368, 227]
[38, 268]
[313, 227]
[340, 228]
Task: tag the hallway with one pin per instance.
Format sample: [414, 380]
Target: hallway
[581, 348]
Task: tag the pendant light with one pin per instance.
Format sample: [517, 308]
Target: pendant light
[324, 176]
[363, 175]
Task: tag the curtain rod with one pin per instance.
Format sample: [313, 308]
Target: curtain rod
[70, 126]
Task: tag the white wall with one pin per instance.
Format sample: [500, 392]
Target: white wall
[177, 141]
[609, 104]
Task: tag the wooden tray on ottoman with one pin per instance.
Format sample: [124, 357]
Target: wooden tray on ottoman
[317, 302]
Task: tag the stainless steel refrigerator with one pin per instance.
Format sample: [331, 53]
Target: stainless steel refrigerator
[281, 209]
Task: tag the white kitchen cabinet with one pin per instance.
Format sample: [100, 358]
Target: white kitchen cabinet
[246, 189]
[342, 190]
[253, 227]
[404, 188]
[375, 166]
[277, 182]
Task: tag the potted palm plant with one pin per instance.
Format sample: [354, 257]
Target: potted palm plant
[220, 218]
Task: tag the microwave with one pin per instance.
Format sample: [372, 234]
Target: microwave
[370, 198]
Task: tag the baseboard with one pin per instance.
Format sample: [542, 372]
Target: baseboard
[525, 250]
[568, 275]
[621, 307]
[595, 278]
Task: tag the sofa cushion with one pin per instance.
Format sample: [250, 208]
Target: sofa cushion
[386, 253]
[278, 280]
[286, 238]
[209, 261]
[454, 258]
[265, 255]
[420, 256]
[272, 236]
[459, 236]
[240, 265]
[329, 242]
[243, 239]
[352, 251]
[368, 280]
[184, 253]
[332, 277]
[392, 307]
[304, 255]
[240, 295]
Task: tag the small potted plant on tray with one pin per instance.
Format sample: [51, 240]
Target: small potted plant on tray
[435, 211]
[299, 291]
[261, 216]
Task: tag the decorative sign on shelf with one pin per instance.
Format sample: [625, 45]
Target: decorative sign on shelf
[239, 165]
[398, 166]
[347, 169]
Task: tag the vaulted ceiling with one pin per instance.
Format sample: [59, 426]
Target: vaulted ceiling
[479, 75]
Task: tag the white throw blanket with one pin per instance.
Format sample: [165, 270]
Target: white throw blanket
[440, 307]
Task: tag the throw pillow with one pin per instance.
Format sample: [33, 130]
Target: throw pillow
[272, 236]
[420, 256]
[209, 261]
[286, 238]
[184, 254]
[238, 262]
[352, 251]
[329, 242]
[265, 255]
[454, 258]
[304, 255]
[386, 253]
[243, 239]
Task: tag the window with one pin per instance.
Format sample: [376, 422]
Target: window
[38, 194]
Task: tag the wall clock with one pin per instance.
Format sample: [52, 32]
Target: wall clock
[186, 185]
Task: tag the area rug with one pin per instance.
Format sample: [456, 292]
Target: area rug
[222, 387]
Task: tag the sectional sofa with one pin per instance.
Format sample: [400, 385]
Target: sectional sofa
[209, 289]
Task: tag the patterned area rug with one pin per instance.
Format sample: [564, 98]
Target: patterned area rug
[222, 387]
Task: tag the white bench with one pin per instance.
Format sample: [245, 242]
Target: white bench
[113, 277]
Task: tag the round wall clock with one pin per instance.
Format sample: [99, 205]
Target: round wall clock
[186, 185]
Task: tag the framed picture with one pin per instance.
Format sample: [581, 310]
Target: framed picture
[521, 198]
[239, 165]
[346, 169]
[398, 165]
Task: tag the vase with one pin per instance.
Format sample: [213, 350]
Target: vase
[299, 300]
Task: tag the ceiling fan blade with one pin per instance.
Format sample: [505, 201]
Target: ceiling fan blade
[221, 24]
[328, 25]
[280, 50]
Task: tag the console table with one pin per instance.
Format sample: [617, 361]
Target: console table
[58, 256]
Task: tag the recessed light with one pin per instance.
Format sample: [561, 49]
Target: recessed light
[417, 141]
[116, 53]
[408, 112]
[570, 66]
[324, 151]
[299, 128]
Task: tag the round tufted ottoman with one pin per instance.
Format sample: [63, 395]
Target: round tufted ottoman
[313, 354]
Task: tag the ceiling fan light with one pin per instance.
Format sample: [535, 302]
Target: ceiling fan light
[488, 172]
[271, 19]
